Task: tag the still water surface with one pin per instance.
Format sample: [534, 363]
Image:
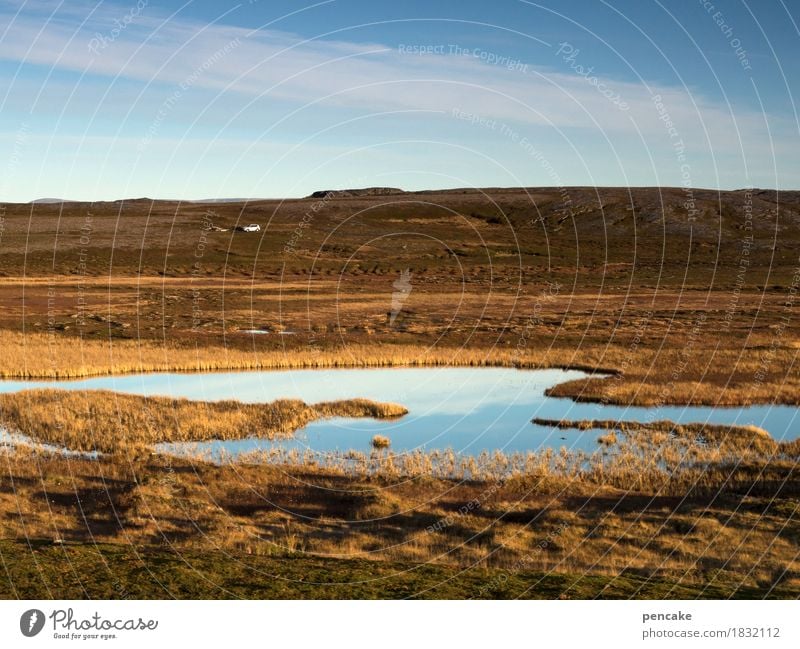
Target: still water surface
[469, 410]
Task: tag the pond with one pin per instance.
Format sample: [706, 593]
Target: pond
[469, 410]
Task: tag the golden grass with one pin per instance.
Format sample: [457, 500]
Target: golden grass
[97, 420]
[700, 505]
[647, 379]
[57, 357]
[661, 457]
[660, 460]
[730, 438]
[380, 441]
[647, 382]
[742, 528]
[607, 439]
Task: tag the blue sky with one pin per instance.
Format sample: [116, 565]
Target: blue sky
[104, 100]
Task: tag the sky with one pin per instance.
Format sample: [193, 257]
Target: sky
[202, 99]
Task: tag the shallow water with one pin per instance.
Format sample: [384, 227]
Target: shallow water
[470, 410]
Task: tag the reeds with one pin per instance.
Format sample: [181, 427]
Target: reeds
[662, 457]
[643, 460]
[646, 380]
[607, 439]
[109, 422]
[379, 442]
[35, 355]
[730, 438]
[553, 511]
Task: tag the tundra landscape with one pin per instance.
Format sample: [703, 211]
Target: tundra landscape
[662, 296]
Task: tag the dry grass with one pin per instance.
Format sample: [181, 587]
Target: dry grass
[609, 517]
[733, 439]
[700, 506]
[57, 357]
[642, 460]
[379, 441]
[646, 380]
[748, 376]
[607, 439]
[120, 423]
[627, 285]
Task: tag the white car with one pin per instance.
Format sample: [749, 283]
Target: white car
[253, 227]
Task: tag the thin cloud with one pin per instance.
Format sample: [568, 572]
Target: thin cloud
[334, 78]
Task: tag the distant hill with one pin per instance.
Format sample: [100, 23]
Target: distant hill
[55, 201]
[52, 201]
[367, 191]
[225, 200]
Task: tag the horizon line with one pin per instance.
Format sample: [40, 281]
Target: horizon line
[391, 191]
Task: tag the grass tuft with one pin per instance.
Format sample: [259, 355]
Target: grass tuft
[379, 441]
